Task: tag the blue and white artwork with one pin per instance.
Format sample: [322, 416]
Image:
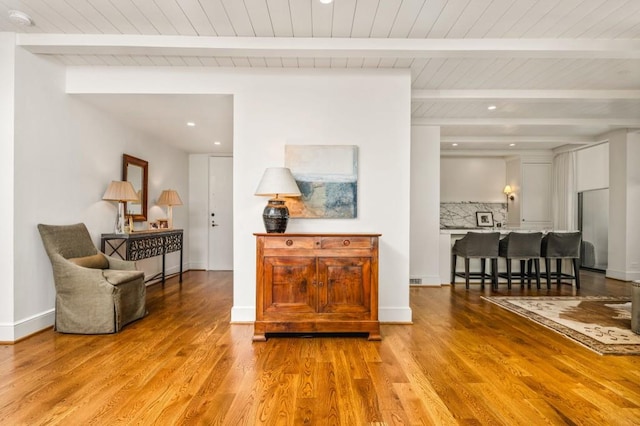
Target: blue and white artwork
[327, 176]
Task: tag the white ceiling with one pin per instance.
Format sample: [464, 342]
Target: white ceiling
[558, 71]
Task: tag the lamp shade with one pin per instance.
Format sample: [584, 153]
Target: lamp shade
[120, 191]
[278, 181]
[507, 190]
[169, 197]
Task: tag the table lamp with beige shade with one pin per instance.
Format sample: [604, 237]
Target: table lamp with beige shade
[169, 198]
[120, 191]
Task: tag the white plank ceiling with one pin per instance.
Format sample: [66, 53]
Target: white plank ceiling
[558, 71]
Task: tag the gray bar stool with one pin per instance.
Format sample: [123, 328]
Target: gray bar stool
[523, 246]
[559, 246]
[478, 245]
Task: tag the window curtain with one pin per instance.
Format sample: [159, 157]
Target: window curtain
[564, 192]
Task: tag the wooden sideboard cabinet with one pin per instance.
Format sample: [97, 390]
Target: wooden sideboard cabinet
[316, 283]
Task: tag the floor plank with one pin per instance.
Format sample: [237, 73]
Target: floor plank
[463, 361]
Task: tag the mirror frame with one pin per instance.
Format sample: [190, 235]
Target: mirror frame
[129, 160]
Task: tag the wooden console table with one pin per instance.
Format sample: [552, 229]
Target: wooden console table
[142, 245]
[316, 283]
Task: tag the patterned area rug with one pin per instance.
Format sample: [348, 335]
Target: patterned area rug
[602, 324]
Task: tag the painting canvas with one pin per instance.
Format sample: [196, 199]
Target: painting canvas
[327, 176]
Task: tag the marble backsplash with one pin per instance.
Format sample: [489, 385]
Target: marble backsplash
[463, 214]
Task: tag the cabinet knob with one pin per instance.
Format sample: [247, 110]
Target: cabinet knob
[346, 243]
[289, 242]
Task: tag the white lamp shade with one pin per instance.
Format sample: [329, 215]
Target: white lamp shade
[169, 197]
[507, 190]
[278, 181]
[120, 191]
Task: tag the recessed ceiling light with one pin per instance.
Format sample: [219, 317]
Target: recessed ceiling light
[191, 123]
[512, 144]
[491, 107]
[20, 18]
[217, 143]
[454, 144]
[326, 1]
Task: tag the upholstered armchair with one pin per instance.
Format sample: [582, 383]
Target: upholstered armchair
[94, 293]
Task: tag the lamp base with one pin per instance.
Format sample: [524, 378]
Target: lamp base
[275, 216]
[119, 227]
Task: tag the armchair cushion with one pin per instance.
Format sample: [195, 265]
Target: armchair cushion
[120, 277]
[97, 261]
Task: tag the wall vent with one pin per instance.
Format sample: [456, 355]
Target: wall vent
[415, 281]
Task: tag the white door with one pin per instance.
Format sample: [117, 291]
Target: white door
[220, 214]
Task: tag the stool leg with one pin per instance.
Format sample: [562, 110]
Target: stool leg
[522, 273]
[466, 272]
[454, 257]
[509, 274]
[547, 268]
[529, 264]
[494, 273]
[559, 271]
[576, 271]
[536, 264]
[483, 270]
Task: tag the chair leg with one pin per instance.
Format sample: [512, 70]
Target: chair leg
[522, 273]
[576, 271]
[547, 268]
[454, 257]
[509, 274]
[466, 272]
[559, 271]
[536, 264]
[494, 273]
[529, 264]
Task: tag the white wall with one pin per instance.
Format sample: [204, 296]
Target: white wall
[272, 108]
[513, 178]
[66, 153]
[7, 75]
[624, 201]
[472, 179]
[370, 110]
[593, 167]
[425, 204]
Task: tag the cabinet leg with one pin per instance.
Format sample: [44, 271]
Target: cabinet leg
[374, 336]
[259, 332]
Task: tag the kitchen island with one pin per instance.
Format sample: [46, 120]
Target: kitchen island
[448, 237]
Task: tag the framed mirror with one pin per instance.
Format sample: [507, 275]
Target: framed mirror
[136, 171]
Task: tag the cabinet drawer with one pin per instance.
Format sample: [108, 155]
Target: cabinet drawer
[292, 242]
[353, 242]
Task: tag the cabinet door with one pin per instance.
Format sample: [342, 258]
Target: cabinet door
[289, 286]
[344, 285]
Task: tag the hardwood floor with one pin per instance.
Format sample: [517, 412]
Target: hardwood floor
[463, 361]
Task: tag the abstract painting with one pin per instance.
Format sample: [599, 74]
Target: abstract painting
[327, 176]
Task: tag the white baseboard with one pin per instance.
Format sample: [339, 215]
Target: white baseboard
[23, 328]
[395, 315]
[425, 280]
[197, 265]
[623, 275]
[243, 314]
